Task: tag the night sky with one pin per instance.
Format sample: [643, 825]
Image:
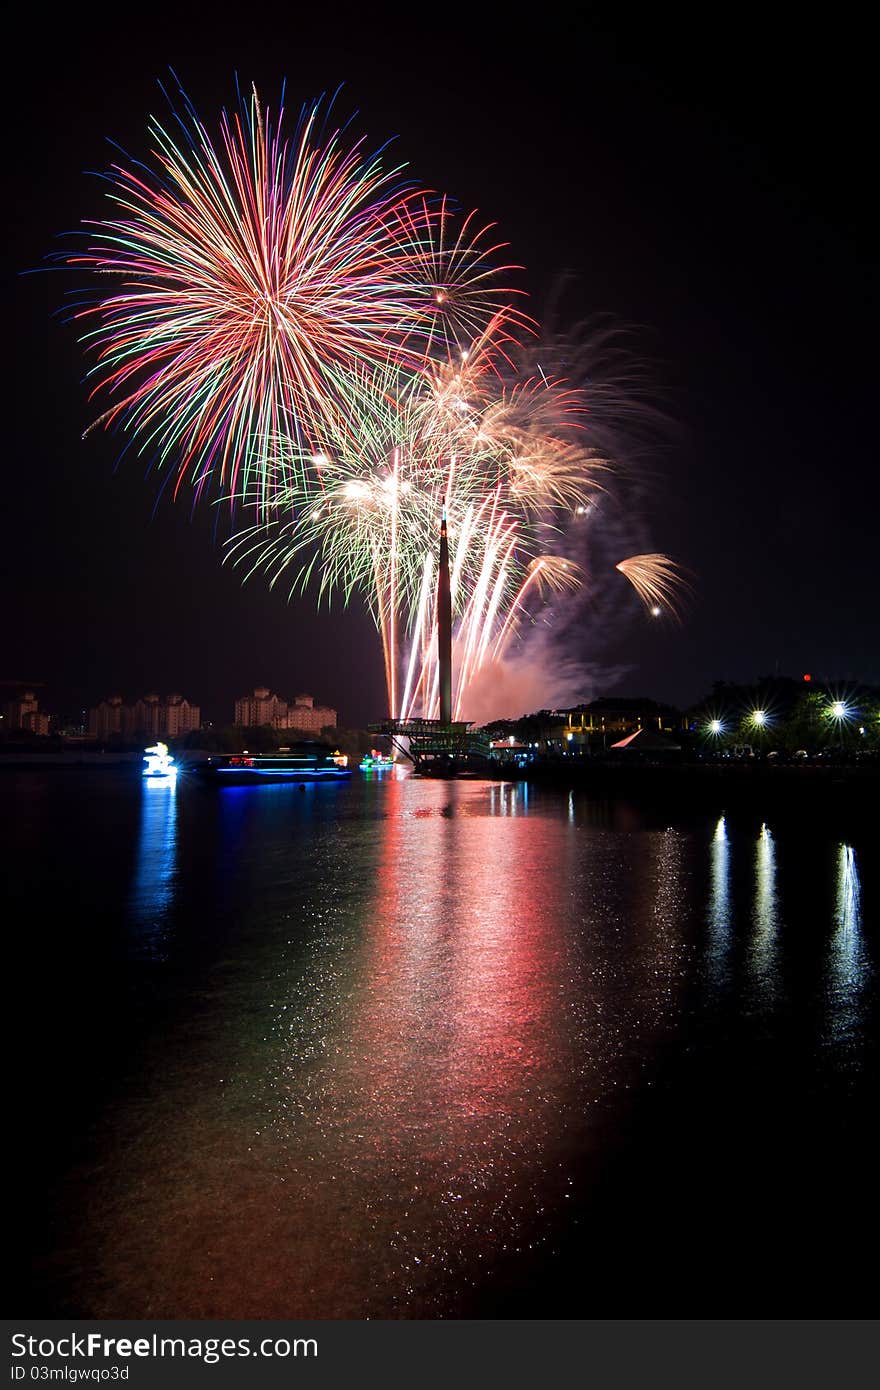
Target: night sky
[706, 182]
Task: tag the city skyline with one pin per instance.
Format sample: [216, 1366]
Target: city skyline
[173, 714]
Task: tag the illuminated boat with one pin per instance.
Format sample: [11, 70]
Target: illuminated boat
[375, 762]
[160, 765]
[304, 762]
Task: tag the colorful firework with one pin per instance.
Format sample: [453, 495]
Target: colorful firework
[308, 336]
[259, 275]
[509, 461]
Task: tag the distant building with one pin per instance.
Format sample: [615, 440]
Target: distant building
[589, 726]
[105, 720]
[620, 716]
[311, 718]
[23, 713]
[148, 717]
[18, 711]
[261, 708]
[265, 708]
[181, 717]
[143, 718]
[37, 722]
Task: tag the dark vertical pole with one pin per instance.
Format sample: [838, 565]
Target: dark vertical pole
[444, 626]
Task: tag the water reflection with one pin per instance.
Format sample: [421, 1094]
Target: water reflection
[456, 1066]
[509, 798]
[425, 1017]
[765, 921]
[155, 863]
[410, 1028]
[719, 903]
[848, 964]
[848, 913]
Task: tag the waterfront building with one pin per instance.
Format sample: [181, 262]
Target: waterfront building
[142, 719]
[105, 720]
[148, 717]
[24, 713]
[595, 726]
[310, 718]
[595, 721]
[302, 714]
[180, 716]
[261, 708]
[19, 713]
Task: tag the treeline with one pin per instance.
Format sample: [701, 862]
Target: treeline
[788, 716]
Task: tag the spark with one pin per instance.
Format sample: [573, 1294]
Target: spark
[657, 580]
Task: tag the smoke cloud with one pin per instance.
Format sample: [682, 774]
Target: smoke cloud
[537, 675]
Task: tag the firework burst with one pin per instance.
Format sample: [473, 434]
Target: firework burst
[509, 463]
[300, 331]
[258, 275]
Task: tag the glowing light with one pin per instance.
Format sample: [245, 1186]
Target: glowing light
[159, 762]
[759, 717]
[376, 762]
[715, 726]
[839, 710]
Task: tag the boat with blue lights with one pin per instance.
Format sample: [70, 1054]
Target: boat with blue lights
[304, 762]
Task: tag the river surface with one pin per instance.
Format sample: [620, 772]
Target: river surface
[401, 1048]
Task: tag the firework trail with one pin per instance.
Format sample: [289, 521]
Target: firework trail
[252, 277]
[657, 580]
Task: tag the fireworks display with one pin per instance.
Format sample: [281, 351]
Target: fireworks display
[253, 277]
[509, 464]
[297, 330]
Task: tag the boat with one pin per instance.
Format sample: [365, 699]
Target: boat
[376, 762]
[160, 764]
[303, 762]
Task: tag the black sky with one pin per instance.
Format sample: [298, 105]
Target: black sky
[706, 180]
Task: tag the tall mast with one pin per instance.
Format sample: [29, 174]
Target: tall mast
[444, 626]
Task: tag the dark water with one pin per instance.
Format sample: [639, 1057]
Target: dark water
[426, 1049]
